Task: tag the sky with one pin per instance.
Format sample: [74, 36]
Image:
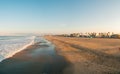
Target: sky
[59, 16]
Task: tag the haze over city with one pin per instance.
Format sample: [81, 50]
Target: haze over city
[59, 16]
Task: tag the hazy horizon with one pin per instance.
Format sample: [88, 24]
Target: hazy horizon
[59, 16]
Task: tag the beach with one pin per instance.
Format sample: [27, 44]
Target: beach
[40, 58]
[59, 36]
[89, 55]
[66, 55]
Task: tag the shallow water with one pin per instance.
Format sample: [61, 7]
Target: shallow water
[40, 58]
[46, 48]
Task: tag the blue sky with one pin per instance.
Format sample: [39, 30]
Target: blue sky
[59, 16]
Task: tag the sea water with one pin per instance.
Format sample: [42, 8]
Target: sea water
[9, 45]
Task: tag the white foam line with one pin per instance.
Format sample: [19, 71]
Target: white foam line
[13, 53]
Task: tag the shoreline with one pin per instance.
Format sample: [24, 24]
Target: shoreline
[35, 59]
[17, 50]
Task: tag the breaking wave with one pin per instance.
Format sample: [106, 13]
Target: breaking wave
[9, 47]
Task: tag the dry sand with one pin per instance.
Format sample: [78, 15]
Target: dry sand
[89, 56]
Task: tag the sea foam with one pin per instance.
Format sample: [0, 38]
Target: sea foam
[10, 47]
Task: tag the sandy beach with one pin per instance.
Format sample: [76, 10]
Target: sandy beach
[40, 58]
[66, 55]
[89, 55]
[59, 36]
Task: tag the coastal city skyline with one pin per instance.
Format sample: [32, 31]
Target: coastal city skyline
[59, 16]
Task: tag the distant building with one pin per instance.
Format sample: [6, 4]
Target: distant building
[93, 35]
[115, 36]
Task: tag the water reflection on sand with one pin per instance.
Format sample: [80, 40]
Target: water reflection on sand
[40, 58]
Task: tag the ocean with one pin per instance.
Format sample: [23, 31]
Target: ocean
[9, 45]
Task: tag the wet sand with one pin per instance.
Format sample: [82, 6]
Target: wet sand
[40, 58]
[89, 56]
